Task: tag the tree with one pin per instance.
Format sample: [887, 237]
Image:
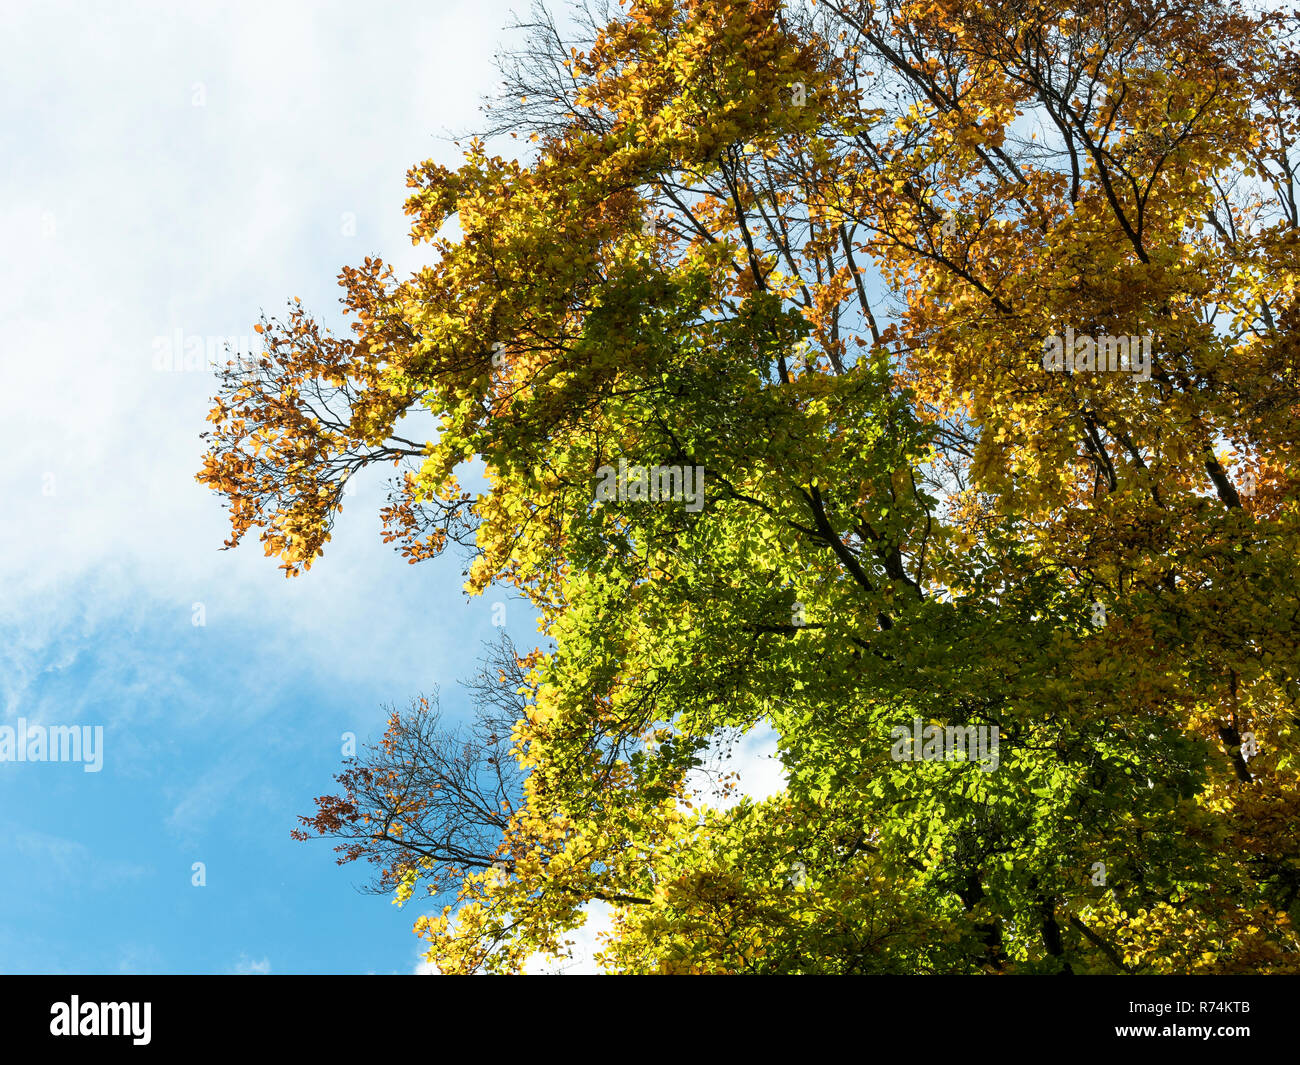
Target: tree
[429, 803]
[833, 255]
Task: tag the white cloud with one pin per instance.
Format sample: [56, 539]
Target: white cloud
[754, 761]
[759, 775]
[247, 966]
[582, 943]
[134, 213]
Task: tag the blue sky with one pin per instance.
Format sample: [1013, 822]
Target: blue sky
[183, 169]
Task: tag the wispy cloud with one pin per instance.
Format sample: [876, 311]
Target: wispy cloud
[247, 966]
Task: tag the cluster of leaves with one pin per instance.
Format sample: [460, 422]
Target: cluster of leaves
[816, 250]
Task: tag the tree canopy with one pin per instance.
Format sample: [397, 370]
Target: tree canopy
[817, 252]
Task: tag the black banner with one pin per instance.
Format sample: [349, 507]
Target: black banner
[152, 1014]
